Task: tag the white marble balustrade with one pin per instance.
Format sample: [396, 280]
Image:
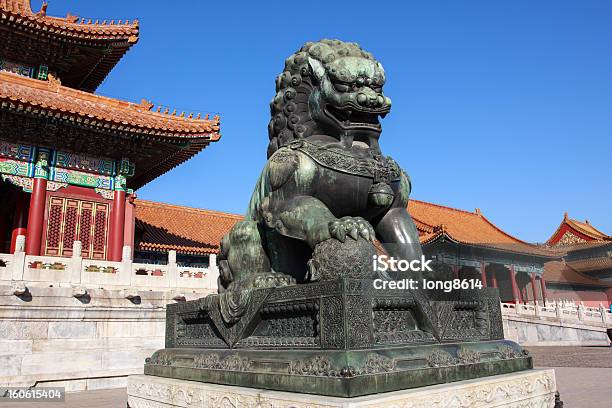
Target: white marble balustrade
[561, 311]
[76, 271]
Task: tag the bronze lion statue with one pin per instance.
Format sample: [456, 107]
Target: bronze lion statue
[327, 192]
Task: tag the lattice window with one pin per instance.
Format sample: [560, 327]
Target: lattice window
[54, 238]
[71, 219]
[85, 228]
[100, 223]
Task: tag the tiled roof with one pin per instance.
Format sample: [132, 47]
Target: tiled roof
[49, 98]
[19, 13]
[579, 230]
[169, 139]
[560, 272]
[200, 231]
[163, 227]
[79, 51]
[466, 227]
[591, 264]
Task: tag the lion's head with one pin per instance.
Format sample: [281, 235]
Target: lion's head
[329, 87]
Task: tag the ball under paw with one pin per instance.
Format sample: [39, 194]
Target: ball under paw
[333, 259]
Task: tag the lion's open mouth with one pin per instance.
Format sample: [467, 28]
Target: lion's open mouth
[352, 118]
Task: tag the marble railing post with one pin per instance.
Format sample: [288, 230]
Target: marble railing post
[213, 271]
[77, 263]
[172, 269]
[125, 271]
[558, 310]
[18, 265]
[604, 316]
[580, 311]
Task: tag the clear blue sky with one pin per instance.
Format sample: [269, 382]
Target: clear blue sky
[501, 105]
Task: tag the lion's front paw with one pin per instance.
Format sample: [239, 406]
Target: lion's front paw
[353, 227]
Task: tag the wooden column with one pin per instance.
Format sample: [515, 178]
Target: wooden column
[483, 274]
[543, 287]
[493, 278]
[516, 296]
[533, 287]
[36, 215]
[455, 271]
[117, 226]
[20, 219]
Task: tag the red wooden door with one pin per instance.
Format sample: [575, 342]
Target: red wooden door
[71, 219]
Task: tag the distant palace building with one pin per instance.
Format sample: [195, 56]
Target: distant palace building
[468, 241]
[585, 271]
[70, 159]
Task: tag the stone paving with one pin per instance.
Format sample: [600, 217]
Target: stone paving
[584, 378]
[591, 357]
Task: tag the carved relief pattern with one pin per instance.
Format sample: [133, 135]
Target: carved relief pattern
[107, 194]
[196, 329]
[24, 182]
[394, 322]
[381, 169]
[295, 319]
[507, 352]
[332, 324]
[496, 328]
[535, 390]
[440, 358]
[468, 356]
[160, 358]
[570, 239]
[359, 327]
[465, 320]
[213, 361]
[318, 365]
[376, 363]
[322, 366]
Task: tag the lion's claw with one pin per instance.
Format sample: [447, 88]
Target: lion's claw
[354, 227]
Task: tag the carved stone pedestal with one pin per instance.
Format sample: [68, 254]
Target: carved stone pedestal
[526, 389]
[341, 338]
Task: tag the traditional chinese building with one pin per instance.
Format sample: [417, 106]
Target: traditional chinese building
[584, 272]
[70, 159]
[476, 248]
[470, 244]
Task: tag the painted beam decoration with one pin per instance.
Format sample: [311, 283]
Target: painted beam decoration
[18, 166]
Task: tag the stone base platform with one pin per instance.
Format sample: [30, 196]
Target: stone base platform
[526, 389]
